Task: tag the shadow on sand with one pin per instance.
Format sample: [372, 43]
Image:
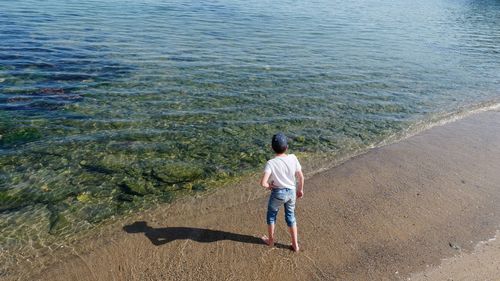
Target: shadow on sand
[160, 236]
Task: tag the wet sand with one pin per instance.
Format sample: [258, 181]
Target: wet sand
[482, 264]
[389, 214]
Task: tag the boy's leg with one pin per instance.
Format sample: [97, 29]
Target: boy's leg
[269, 240]
[272, 212]
[293, 235]
[290, 220]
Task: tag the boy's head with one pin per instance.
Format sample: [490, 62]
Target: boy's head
[279, 143]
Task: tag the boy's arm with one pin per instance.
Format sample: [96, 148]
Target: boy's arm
[300, 183]
[264, 179]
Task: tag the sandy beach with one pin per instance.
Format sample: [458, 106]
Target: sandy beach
[481, 264]
[415, 210]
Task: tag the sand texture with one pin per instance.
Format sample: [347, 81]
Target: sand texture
[482, 264]
[385, 215]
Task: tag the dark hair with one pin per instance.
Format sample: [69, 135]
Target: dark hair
[279, 143]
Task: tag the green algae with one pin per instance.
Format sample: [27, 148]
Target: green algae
[57, 220]
[58, 223]
[95, 213]
[120, 168]
[175, 173]
[13, 136]
[139, 187]
[198, 187]
[84, 197]
[9, 201]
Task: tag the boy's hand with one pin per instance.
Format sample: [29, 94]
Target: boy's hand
[300, 193]
[271, 185]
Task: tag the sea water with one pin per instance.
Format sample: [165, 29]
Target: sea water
[107, 107]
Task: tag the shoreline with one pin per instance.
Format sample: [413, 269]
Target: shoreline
[370, 199]
[480, 264]
[314, 161]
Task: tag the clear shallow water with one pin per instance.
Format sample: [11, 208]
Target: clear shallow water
[110, 106]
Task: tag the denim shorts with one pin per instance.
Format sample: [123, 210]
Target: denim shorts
[281, 196]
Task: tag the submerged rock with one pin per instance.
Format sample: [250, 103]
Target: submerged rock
[51, 91]
[198, 187]
[84, 197]
[177, 173]
[124, 197]
[137, 187]
[58, 222]
[45, 188]
[20, 135]
[10, 200]
[95, 213]
[300, 139]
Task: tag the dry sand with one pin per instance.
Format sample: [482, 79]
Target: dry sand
[384, 215]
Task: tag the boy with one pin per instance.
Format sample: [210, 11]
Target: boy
[279, 177]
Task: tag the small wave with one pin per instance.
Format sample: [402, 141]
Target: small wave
[441, 119]
[435, 120]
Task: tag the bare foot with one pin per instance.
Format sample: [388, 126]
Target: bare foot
[269, 242]
[295, 248]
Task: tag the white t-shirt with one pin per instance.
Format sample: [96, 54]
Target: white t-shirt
[282, 170]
